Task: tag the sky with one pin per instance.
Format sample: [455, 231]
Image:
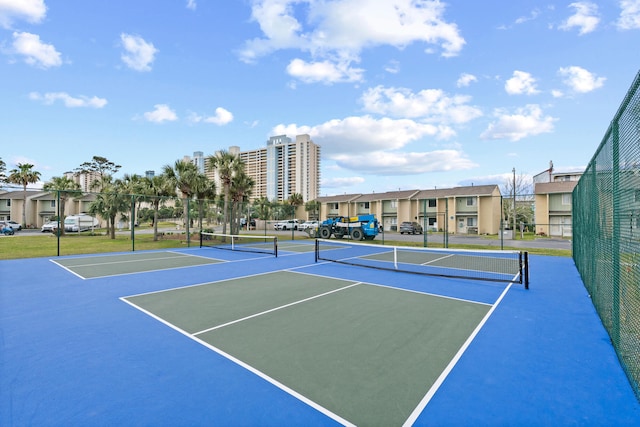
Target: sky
[399, 94]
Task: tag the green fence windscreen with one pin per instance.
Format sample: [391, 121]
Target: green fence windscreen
[606, 231]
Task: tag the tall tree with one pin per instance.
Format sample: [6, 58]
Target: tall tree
[227, 165]
[64, 188]
[110, 202]
[183, 175]
[156, 189]
[100, 166]
[205, 191]
[313, 206]
[24, 175]
[241, 189]
[295, 200]
[262, 207]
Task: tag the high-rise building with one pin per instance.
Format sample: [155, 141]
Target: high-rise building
[284, 167]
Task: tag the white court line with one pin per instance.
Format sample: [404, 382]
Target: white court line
[436, 385]
[248, 367]
[392, 287]
[437, 259]
[277, 308]
[130, 261]
[70, 271]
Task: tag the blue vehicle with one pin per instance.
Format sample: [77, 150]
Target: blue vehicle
[6, 229]
[358, 227]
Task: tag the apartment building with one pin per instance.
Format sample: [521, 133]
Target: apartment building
[553, 202]
[280, 169]
[461, 210]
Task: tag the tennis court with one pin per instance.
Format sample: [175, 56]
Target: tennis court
[203, 336]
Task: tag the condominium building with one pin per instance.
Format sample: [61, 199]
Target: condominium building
[282, 168]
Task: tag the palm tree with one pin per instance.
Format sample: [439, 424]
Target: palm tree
[227, 165]
[110, 202]
[134, 186]
[65, 188]
[313, 206]
[241, 188]
[204, 190]
[295, 200]
[24, 175]
[183, 175]
[263, 208]
[155, 189]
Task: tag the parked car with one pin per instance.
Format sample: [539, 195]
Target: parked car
[410, 228]
[243, 222]
[6, 229]
[15, 225]
[290, 224]
[307, 224]
[50, 227]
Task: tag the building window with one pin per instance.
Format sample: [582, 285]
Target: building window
[637, 196]
[364, 205]
[333, 206]
[53, 203]
[566, 199]
[432, 203]
[471, 222]
[394, 203]
[8, 202]
[471, 201]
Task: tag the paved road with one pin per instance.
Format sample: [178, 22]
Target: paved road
[544, 243]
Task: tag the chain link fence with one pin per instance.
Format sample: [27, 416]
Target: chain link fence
[606, 221]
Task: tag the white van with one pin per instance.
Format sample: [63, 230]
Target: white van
[80, 222]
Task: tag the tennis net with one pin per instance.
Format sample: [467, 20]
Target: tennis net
[244, 243]
[497, 266]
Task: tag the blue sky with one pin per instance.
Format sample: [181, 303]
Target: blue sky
[400, 94]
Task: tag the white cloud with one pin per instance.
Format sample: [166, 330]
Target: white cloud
[401, 163]
[580, 80]
[162, 113]
[525, 122]
[532, 16]
[372, 146]
[338, 31]
[432, 105]
[222, 117]
[69, 101]
[361, 134]
[323, 71]
[466, 79]
[585, 18]
[36, 52]
[138, 54]
[32, 11]
[521, 83]
[629, 15]
[341, 182]
[191, 4]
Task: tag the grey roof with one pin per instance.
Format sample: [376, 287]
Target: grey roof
[472, 190]
[19, 194]
[555, 187]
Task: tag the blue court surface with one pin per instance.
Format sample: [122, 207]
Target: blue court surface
[207, 337]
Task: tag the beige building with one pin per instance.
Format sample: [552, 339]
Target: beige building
[459, 210]
[282, 168]
[553, 203]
